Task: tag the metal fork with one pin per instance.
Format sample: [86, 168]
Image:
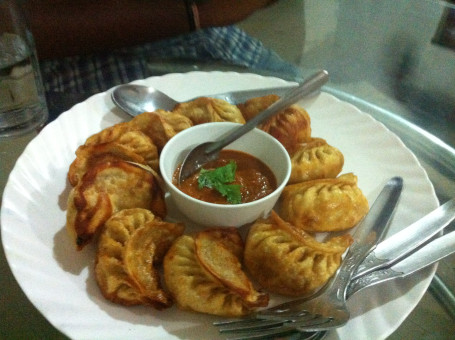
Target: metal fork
[428, 254]
[405, 264]
[328, 309]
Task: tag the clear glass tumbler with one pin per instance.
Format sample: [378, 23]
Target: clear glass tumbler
[22, 101]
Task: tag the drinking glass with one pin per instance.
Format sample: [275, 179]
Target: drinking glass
[22, 101]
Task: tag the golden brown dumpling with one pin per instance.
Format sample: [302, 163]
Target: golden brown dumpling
[141, 144]
[203, 273]
[109, 134]
[252, 107]
[177, 121]
[105, 189]
[88, 156]
[332, 204]
[207, 110]
[291, 127]
[133, 242]
[289, 261]
[314, 160]
[160, 126]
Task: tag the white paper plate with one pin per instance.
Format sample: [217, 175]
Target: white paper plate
[60, 282]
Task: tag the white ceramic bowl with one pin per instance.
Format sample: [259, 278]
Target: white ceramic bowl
[256, 143]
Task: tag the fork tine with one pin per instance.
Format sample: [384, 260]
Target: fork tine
[251, 326]
[282, 331]
[318, 320]
[307, 321]
[318, 324]
[291, 316]
[311, 324]
[261, 334]
[284, 307]
[234, 322]
[286, 315]
[317, 335]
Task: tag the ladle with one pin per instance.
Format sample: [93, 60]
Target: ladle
[209, 151]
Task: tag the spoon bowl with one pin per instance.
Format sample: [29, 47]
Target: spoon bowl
[137, 99]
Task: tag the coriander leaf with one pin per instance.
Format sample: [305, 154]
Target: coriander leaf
[231, 192]
[219, 178]
[206, 179]
[224, 174]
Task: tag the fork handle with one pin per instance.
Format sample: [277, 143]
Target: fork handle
[408, 239]
[425, 256]
[369, 232]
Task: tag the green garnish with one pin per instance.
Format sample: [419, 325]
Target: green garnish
[219, 180]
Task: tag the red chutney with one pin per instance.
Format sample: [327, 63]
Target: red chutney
[256, 180]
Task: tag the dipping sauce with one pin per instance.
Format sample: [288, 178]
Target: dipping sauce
[255, 178]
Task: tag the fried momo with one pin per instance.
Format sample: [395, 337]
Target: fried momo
[252, 107]
[291, 127]
[88, 156]
[160, 125]
[133, 242]
[314, 160]
[109, 134]
[206, 110]
[332, 204]
[289, 261]
[105, 189]
[141, 144]
[203, 274]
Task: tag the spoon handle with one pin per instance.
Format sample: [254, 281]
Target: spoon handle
[309, 86]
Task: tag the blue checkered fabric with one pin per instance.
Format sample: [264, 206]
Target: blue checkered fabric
[97, 73]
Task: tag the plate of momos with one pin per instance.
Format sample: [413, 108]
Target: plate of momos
[131, 266]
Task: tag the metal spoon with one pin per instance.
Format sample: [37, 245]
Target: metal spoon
[136, 99]
[209, 151]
